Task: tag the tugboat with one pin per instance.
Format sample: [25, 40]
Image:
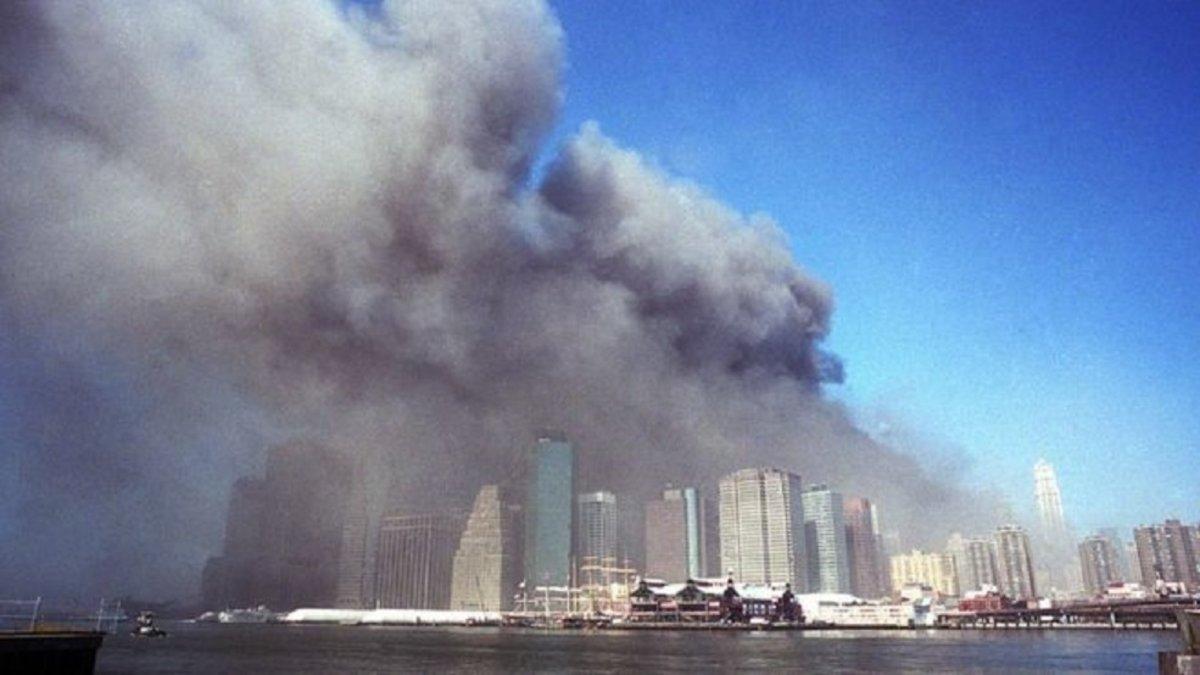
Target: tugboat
[145, 626]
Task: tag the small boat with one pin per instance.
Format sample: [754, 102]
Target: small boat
[145, 626]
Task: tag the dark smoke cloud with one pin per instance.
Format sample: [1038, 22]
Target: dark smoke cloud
[225, 224]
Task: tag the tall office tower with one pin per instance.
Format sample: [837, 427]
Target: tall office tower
[1014, 564]
[235, 578]
[1048, 496]
[675, 535]
[486, 564]
[596, 528]
[1057, 566]
[1168, 552]
[1098, 563]
[936, 570]
[864, 548]
[1123, 567]
[415, 560]
[356, 565]
[710, 561]
[762, 527]
[549, 506]
[825, 540]
[631, 542]
[284, 532]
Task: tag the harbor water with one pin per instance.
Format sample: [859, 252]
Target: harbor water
[274, 648]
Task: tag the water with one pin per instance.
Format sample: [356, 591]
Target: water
[212, 648]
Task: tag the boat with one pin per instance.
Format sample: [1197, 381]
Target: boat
[258, 614]
[145, 627]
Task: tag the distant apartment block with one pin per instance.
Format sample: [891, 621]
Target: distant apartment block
[1014, 563]
[1168, 552]
[936, 570]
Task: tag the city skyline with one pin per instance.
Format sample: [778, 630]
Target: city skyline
[302, 535]
[903, 282]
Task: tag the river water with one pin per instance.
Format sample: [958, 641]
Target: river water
[212, 648]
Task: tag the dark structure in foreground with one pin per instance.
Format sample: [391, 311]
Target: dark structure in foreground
[35, 653]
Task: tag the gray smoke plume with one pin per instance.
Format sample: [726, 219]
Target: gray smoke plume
[224, 224]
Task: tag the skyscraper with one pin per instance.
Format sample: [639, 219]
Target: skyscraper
[415, 560]
[549, 502]
[596, 528]
[1124, 565]
[284, 532]
[486, 564]
[762, 527]
[1168, 552]
[1014, 564]
[1057, 565]
[676, 536]
[1048, 497]
[936, 570]
[976, 561]
[864, 548]
[825, 540]
[1098, 563]
[356, 580]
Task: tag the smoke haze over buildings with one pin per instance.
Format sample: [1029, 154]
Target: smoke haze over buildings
[227, 224]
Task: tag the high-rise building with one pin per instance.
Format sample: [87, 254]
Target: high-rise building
[676, 536]
[864, 548]
[486, 567]
[549, 506]
[1048, 497]
[1057, 565]
[975, 558]
[936, 570]
[762, 527]
[355, 581]
[596, 528]
[1014, 563]
[1168, 552]
[415, 560]
[1124, 568]
[631, 542]
[284, 532]
[825, 540]
[1098, 563]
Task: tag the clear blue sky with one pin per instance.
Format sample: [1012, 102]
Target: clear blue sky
[1005, 197]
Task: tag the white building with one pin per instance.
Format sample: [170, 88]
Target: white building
[936, 570]
[1048, 497]
[485, 567]
[762, 527]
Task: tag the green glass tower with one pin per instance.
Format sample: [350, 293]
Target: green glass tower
[549, 505]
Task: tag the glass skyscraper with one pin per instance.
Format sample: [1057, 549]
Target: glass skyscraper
[549, 502]
[825, 541]
[676, 536]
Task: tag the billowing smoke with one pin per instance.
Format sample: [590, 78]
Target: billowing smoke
[224, 224]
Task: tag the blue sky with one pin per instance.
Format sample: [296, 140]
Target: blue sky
[1004, 196]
